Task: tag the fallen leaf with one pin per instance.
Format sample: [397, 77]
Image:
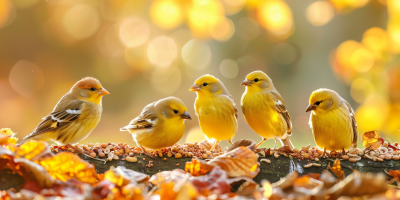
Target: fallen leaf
[328, 179]
[238, 162]
[34, 150]
[313, 175]
[287, 181]
[121, 176]
[65, 166]
[250, 144]
[42, 177]
[173, 185]
[103, 189]
[214, 183]
[206, 144]
[307, 185]
[198, 167]
[337, 170]
[168, 176]
[7, 137]
[359, 184]
[371, 140]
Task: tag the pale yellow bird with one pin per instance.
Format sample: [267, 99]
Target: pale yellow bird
[161, 124]
[332, 121]
[75, 115]
[264, 109]
[215, 109]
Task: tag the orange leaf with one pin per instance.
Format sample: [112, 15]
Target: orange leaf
[197, 167]
[337, 170]
[306, 182]
[65, 166]
[371, 139]
[7, 137]
[33, 150]
[395, 173]
[238, 162]
[121, 176]
[313, 175]
[214, 183]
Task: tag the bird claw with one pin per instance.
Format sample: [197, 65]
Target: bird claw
[81, 151]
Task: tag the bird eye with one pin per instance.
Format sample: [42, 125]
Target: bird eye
[205, 84]
[256, 80]
[317, 103]
[175, 111]
[92, 89]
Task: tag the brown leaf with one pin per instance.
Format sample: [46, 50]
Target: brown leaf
[65, 166]
[238, 162]
[394, 173]
[250, 144]
[168, 176]
[287, 181]
[214, 183]
[34, 150]
[337, 170]
[42, 177]
[313, 175]
[359, 184]
[205, 144]
[328, 179]
[371, 140]
[308, 185]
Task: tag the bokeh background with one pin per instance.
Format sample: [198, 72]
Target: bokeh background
[145, 50]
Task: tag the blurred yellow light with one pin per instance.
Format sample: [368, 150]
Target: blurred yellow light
[23, 4]
[394, 35]
[196, 54]
[360, 89]
[319, 13]
[267, 189]
[26, 78]
[233, 6]
[348, 5]
[352, 54]
[372, 114]
[248, 28]
[276, 17]
[134, 31]
[166, 14]
[162, 51]
[194, 135]
[223, 30]
[203, 15]
[229, 68]
[7, 13]
[376, 40]
[81, 21]
[166, 81]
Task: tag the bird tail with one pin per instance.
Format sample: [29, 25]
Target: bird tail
[286, 141]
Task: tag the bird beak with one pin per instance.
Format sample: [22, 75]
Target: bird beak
[185, 115]
[195, 87]
[246, 82]
[310, 108]
[103, 92]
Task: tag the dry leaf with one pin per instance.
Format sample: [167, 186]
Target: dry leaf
[65, 166]
[307, 185]
[287, 181]
[168, 176]
[371, 140]
[359, 184]
[121, 176]
[328, 179]
[337, 170]
[214, 183]
[206, 144]
[7, 137]
[395, 173]
[238, 162]
[313, 175]
[198, 167]
[39, 173]
[245, 143]
[103, 189]
[34, 150]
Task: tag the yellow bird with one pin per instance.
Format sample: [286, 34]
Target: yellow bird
[75, 115]
[161, 124]
[215, 109]
[264, 109]
[332, 121]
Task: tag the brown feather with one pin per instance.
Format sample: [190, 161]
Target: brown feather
[281, 108]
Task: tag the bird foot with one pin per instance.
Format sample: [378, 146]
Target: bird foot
[151, 155]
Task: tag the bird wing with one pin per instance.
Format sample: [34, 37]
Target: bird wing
[58, 118]
[234, 105]
[281, 108]
[353, 124]
[145, 120]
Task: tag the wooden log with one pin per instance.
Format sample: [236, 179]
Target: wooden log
[273, 172]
